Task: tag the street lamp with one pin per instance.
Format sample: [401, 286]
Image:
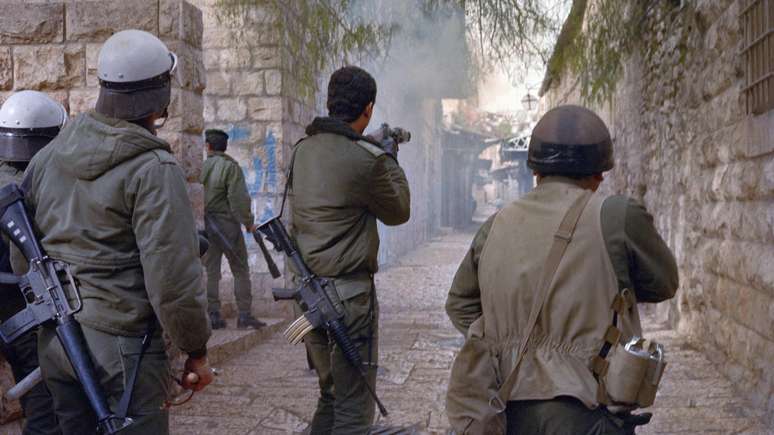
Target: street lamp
[529, 102]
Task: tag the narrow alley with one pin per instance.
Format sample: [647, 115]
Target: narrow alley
[268, 389]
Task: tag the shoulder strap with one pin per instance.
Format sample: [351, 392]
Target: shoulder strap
[126, 398]
[561, 240]
[289, 177]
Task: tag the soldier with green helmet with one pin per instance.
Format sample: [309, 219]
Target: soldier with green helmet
[342, 184]
[227, 208]
[614, 258]
[110, 199]
[29, 120]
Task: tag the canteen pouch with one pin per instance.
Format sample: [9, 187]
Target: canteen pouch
[634, 373]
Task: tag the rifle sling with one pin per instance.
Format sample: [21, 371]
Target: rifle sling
[126, 398]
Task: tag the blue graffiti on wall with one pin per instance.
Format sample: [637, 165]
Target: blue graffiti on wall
[236, 133]
[262, 176]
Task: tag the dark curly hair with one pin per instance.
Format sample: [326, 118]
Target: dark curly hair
[218, 139]
[350, 91]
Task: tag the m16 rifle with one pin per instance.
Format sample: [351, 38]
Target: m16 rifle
[321, 304]
[43, 287]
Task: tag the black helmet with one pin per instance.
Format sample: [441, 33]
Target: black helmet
[570, 140]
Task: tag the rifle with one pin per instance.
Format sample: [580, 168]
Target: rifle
[322, 307]
[213, 228]
[43, 287]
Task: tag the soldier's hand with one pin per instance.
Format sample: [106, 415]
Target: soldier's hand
[197, 374]
[252, 228]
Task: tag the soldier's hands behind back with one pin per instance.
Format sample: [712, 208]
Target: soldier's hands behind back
[197, 374]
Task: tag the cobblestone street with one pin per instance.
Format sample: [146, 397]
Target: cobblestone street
[268, 390]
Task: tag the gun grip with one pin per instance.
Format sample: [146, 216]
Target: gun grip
[283, 294]
[273, 269]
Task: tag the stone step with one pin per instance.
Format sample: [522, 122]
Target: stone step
[224, 344]
[229, 342]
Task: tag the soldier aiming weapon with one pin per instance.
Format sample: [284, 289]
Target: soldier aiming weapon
[317, 296]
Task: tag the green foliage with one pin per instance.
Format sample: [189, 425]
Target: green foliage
[613, 29]
[327, 33]
[318, 34]
[596, 40]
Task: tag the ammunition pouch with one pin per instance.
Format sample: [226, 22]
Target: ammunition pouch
[628, 373]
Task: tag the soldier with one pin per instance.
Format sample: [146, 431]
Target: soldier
[342, 183]
[615, 247]
[109, 198]
[227, 208]
[28, 121]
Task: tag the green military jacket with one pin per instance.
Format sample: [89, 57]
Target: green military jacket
[640, 258]
[225, 191]
[614, 247]
[340, 187]
[110, 199]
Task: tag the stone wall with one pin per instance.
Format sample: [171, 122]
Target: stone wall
[703, 167]
[52, 46]
[251, 95]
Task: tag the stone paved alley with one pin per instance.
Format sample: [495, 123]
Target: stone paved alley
[267, 390]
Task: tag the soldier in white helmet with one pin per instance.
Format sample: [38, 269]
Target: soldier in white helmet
[29, 120]
[110, 199]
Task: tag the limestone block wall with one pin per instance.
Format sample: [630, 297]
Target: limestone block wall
[704, 168]
[250, 94]
[254, 93]
[52, 46]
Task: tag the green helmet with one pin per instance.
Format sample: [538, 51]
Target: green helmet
[570, 140]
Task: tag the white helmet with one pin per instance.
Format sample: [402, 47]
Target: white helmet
[134, 70]
[134, 56]
[28, 121]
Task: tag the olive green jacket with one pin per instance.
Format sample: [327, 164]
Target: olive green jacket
[340, 187]
[640, 258]
[110, 199]
[614, 246]
[225, 191]
[9, 174]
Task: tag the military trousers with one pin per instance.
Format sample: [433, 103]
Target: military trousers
[345, 406]
[561, 416]
[37, 404]
[114, 359]
[237, 261]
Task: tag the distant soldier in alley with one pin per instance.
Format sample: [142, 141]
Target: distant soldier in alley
[342, 183]
[109, 198]
[227, 209]
[29, 120]
[548, 292]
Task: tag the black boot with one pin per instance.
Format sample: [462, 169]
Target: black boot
[216, 321]
[247, 321]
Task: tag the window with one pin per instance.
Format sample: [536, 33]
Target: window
[758, 27]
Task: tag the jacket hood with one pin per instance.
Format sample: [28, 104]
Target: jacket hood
[336, 126]
[92, 144]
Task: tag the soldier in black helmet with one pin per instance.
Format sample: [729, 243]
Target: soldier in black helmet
[550, 384]
[29, 120]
